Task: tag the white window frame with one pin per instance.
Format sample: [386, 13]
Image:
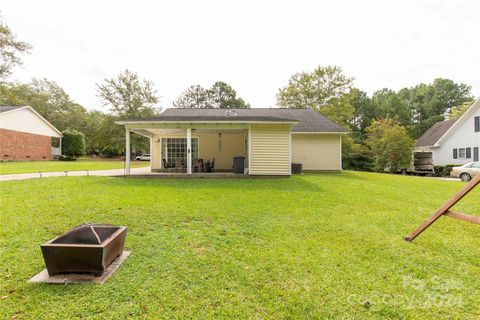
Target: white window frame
[460, 150]
[165, 142]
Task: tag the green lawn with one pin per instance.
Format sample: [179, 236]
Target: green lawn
[51, 166]
[312, 246]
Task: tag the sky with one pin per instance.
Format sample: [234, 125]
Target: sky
[255, 46]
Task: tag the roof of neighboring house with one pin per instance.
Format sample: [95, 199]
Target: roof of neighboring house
[432, 135]
[442, 130]
[9, 108]
[306, 120]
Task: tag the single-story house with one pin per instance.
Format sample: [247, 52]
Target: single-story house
[26, 135]
[269, 139]
[455, 141]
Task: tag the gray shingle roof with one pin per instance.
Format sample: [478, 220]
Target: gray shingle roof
[9, 108]
[308, 120]
[432, 135]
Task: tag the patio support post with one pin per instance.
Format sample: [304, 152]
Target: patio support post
[60, 147]
[189, 151]
[127, 151]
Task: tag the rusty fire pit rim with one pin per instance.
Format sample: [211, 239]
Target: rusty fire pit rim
[100, 245]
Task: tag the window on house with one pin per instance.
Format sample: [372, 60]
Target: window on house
[462, 153]
[477, 124]
[175, 149]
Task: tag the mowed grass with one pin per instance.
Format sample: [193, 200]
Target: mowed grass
[311, 246]
[12, 167]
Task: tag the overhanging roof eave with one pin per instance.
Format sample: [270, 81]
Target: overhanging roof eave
[207, 121]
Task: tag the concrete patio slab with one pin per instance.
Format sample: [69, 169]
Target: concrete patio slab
[71, 278]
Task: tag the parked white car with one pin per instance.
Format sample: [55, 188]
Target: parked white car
[467, 171]
[143, 157]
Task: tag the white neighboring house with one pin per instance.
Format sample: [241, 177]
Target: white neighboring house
[455, 141]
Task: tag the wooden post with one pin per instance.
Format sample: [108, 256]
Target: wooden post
[445, 210]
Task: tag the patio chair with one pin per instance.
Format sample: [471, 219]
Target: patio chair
[167, 165]
[212, 165]
[196, 165]
[178, 166]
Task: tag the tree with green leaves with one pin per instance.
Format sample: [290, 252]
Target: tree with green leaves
[103, 136]
[458, 111]
[48, 99]
[195, 97]
[325, 89]
[10, 50]
[429, 103]
[364, 112]
[390, 145]
[129, 97]
[387, 104]
[220, 95]
[73, 143]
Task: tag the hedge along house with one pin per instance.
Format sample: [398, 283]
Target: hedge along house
[26, 135]
[269, 139]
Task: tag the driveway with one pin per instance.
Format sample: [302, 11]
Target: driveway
[446, 178]
[102, 173]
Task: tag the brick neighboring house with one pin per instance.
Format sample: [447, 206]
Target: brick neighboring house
[26, 135]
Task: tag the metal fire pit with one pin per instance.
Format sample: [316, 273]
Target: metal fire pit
[88, 248]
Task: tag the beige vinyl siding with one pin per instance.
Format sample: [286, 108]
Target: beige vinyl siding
[155, 153]
[269, 150]
[223, 148]
[317, 151]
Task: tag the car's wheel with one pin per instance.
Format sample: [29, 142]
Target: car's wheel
[465, 177]
[404, 172]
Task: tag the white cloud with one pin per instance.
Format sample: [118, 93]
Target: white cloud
[253, 45]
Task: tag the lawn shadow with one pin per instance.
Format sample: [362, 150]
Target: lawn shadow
[293, 183]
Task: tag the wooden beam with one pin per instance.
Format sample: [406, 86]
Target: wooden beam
[463, 216]
[144, 133]
[444, 209]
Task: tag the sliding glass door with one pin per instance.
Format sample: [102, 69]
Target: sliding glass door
[175, 150]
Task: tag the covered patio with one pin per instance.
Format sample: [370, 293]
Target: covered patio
[200, 150]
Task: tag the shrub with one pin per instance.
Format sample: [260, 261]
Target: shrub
[358, 159]
[110, 152]
[73, 143]
[439, 171]
[390, 145]
[448, 169]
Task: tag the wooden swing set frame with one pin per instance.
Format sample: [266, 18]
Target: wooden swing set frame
[445, 210]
